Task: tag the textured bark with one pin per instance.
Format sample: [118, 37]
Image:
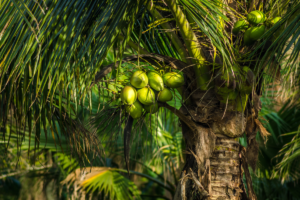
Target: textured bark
[216, 177]
[215, 161]
[225, 170]
[197, 166]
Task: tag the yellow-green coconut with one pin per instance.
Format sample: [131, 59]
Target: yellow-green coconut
[156, 82]
[139, 79]
[173, 79]
[135, 110]
[146, 96]
[257, 32]
[165, 95]
[128, 95]
[275, 20]
[256, 17]
[240, 25]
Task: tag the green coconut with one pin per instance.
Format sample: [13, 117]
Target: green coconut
[275, 20]
[173, 79]
[240, 25]
[155, 80]
[153, 108]
[135, 110]
[257, 32]
[256, 17]
[139, 79]
[262, 14]
[247, 40]
[165, 95]
[128, 95]
[146, 96]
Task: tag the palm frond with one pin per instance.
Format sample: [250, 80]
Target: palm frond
[209, 19]
[114, 184]
[279, 157]
[288, 168]
[279, 49]
[49, 55]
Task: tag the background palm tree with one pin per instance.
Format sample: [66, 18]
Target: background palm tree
[51, 53]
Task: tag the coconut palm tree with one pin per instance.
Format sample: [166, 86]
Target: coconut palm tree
[52, 59]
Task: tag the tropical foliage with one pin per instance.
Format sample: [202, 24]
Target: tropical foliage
[110, 178]
[63, 64]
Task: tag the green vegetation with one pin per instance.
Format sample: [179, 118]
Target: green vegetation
[147, 99]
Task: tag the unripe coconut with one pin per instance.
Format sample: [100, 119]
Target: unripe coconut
[247, 40]
[128, 95]
[146, 96]
[139, 79]
[256, 17]
[173, 79]
[153, 108]
[165, 95]
[275, 20]
[257, 32]
[155, 80]
[240, 25]
[263, 14]
[135, 110]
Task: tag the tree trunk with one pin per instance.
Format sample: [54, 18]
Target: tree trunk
[213, 162]
[219, 176]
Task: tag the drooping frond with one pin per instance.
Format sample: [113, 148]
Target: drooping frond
[279, 50]
[49, 55]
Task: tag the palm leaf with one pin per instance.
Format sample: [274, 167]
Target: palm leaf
[50, 49]
[279, 49]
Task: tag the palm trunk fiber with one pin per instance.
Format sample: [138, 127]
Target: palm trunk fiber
[213, 162]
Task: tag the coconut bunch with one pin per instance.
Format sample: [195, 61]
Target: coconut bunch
[254, 26]
[234, 85]
[146, 88]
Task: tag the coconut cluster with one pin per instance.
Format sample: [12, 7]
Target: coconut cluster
[146, 89]
[254, 26]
